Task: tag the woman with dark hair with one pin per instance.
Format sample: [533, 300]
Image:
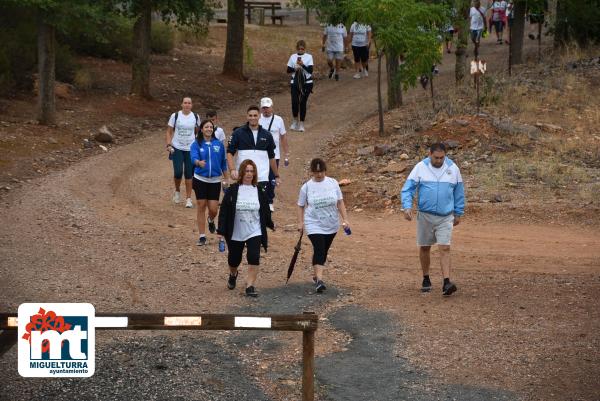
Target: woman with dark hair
[181, 130]
[243, 221]
[319, 204]
[209, 158]
[300, 66]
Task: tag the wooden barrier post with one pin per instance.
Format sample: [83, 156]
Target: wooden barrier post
[306, 323]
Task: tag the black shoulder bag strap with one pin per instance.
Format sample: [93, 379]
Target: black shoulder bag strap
[271, 123]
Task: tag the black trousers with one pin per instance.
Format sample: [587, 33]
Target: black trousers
[321, 244]
[236, 248]
[299, 100]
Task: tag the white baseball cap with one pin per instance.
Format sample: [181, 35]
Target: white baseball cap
[266, 102]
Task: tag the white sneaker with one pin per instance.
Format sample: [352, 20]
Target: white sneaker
[271, 208]
[365, 73]
[176, 197]
[188, 203]
[294, 126]
[356, 76]
[301, 126]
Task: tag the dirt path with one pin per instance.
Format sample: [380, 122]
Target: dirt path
[104, 231]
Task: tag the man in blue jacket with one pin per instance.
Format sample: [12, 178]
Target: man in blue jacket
[440, 205]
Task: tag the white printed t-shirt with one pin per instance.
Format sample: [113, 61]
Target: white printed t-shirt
[220, 135]
[499, 10]
[184, 134]
[335, 37]
[277, 130]
[360, 37]
[477, 22]
[247, 218]
[307, 60]
[319, 200]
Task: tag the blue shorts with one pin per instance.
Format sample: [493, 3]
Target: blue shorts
[182, 164]
[476, 35]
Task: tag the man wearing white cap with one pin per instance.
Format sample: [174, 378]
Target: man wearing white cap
[275, 125]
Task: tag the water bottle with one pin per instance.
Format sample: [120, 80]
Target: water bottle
[221, 245]
[347, 230]
[286, 162]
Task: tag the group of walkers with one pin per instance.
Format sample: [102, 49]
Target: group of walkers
[501, 15]
[250, 159]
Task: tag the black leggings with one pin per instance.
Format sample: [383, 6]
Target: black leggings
[321, 244]
[234, 258]
[299, 100]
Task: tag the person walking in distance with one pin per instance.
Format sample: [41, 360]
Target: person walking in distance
[334, 44]
[243, 220]
[300, 66]
[478, 24]
[498, 19]
[275, 125]
[440, 206]
[319, 203]
[360, 38]
[181, 132]
[253, 142]
[210, 162]
[218, 132]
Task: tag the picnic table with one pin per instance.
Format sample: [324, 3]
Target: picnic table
[274, 6]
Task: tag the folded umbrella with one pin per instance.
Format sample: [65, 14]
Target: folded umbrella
[294, 257]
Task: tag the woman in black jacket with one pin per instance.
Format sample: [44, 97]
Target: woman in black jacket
[243, 220]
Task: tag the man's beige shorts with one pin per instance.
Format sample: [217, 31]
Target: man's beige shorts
[432, 229]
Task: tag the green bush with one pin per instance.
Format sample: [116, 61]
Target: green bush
[110, 40]
[66, 65]
[162, 37]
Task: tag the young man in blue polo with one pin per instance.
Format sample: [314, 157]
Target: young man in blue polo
[440, 206]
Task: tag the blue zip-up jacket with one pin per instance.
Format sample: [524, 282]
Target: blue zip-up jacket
[213, 153]
[441, 193]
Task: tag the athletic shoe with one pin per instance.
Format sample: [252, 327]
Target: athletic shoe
[176, 197]
[356, 76]
[251, 292]
[331, 71]
[188, 203]
[315, 279]
[211, 225]
[201, 241]
[294, 125]
[320, 286]
[271, 208]
[231, 281]
[337, 77]
[426, 286]
[301, 126]
[449, 288]
[365, 73]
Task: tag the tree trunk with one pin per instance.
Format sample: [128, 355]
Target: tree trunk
[394, 87]
[307, 16]
[140, 66]
[379, 95]
[233, 66]
[462, 40]
[561, 32]
[517, 33]
[46, 70]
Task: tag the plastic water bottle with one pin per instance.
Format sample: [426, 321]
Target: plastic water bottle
[221, 245]
[347, 230]
[286, 162]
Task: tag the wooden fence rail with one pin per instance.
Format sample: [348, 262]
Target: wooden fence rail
[306, 323]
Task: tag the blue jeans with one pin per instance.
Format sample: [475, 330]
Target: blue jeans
[182, 161]
[271, 185]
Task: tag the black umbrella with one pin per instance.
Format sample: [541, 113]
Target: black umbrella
[295, 257]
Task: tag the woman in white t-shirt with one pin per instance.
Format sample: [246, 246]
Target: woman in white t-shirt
[181, 133]
[360, 39]
[319, 204]
[243, 220]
